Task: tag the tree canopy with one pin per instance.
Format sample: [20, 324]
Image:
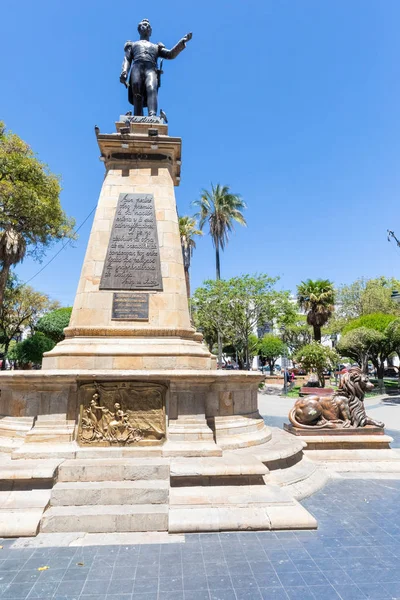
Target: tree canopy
[237, 307]
[316, 357]
[317, 300]
[271, 348]
[53, 323]
[375, 334]
[21, 308]
[30, 351]
[31, 216]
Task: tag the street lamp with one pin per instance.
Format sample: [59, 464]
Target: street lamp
[395, 296]
[284, 361]
[334, 338]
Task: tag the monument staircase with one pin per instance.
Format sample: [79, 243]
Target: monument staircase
[139, 489]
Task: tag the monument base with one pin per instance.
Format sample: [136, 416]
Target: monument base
[121, 451]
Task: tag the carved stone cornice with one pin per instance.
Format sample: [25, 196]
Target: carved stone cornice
[154, 332]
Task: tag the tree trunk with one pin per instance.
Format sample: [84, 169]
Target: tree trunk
[317, 333]
[217, 263]
[379, 374]
[271, 366]
[218, 274]
[187, 280]
[3, 280]
[364, 364]
[6, 346]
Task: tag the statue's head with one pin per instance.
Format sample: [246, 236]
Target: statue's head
[144, 28]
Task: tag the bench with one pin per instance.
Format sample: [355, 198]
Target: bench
[315, 391]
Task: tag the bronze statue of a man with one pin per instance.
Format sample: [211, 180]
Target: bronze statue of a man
[141, 58]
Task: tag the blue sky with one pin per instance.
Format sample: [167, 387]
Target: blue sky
[293, 103]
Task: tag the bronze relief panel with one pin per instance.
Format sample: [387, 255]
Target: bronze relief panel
[121, 413]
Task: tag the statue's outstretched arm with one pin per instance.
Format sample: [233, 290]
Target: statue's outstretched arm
[126, 63]
[177, 49]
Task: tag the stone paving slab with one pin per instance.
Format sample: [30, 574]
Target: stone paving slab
[353, 555]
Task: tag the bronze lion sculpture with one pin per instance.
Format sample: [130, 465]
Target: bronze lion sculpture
[345, 408]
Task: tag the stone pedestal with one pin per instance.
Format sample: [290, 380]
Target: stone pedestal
[143, 161]
[360, 438]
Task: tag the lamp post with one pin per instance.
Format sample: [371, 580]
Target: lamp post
[334, 338]
[284, 365]
[395, 296]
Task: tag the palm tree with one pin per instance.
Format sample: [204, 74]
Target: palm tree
[12, 251]
[220, 208]
[316, 298]
[187, 231]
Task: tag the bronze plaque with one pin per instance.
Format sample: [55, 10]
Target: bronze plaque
[121, 413]
[133, 255]
[130, 307]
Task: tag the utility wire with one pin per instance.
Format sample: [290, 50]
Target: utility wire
[62, 247]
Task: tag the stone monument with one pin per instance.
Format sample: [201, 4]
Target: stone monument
[137, 429]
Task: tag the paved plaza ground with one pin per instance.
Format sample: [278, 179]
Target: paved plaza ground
[354, 554]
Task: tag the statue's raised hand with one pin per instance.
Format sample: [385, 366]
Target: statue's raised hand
[187, 37]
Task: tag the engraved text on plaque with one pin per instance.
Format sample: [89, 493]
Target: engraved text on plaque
[133, 256]
[130, 307]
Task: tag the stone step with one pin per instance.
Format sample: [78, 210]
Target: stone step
[348, 442]
[225, 470]
[247, 439]
[281, 451]
[24, 499]
[302, 479]
[307, 487]
[189, 449]
[367, 456]
[15, 426]
[45, 450]
[105, 519]
[28, 471]
[229, 508]
[293, 474]
[110, 492]
[230, 518]
[228, 495]
[56, 424]
[9, 444]
[117, 469]
[71, 450]
[20, 523]
[55, 434]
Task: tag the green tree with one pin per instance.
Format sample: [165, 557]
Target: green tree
[297, 334]
[363, 297]
[358, 344]
[30, 351]
[187, 231]
[53, 323]
[237, 307]
[271, 348]
[22, 306]
[31, 216]
[220, 209]
[376, 297]
[316, 357]
[381, 350]
[317, 299]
